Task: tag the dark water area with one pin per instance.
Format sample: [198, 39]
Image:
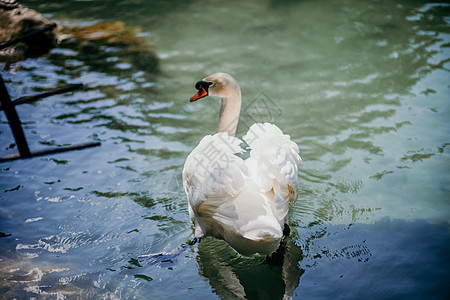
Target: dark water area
[361, 87]
[345, 263]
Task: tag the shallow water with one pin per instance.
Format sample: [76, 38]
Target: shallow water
[361, 87]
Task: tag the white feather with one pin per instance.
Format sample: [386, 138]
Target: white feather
[229, 196]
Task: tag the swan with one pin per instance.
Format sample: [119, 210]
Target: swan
[242, 201]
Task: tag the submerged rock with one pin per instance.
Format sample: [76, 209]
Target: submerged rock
[96, 43]
[111, 33]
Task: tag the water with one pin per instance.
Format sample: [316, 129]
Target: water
[362, 87]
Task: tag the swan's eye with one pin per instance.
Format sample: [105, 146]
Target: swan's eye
[203, 84]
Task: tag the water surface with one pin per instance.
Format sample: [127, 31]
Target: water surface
[361, 87]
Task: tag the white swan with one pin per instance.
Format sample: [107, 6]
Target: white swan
[244, 202]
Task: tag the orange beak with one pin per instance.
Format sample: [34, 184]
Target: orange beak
[200, 94]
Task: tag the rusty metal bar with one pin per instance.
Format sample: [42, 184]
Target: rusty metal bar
[8, 107]
[64, 89]
[50, 151]
[14, 121]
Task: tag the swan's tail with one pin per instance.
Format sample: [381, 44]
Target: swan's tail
[276, 155]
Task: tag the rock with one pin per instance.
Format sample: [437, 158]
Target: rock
[16, 20]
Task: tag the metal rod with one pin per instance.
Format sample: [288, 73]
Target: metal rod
[27, 35]
[14, 121]
[64, 89]
[50, 151]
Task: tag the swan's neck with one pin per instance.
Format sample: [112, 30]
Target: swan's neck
[229, 113]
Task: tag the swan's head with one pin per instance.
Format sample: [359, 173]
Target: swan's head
[218, 84]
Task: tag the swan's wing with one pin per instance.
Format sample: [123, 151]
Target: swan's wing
[273, 164]
[212, 173]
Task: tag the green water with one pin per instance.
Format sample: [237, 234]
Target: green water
[361, 86]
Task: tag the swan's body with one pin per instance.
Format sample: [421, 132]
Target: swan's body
[244, 202]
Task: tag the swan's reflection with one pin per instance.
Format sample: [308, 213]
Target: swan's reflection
[232, 275]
